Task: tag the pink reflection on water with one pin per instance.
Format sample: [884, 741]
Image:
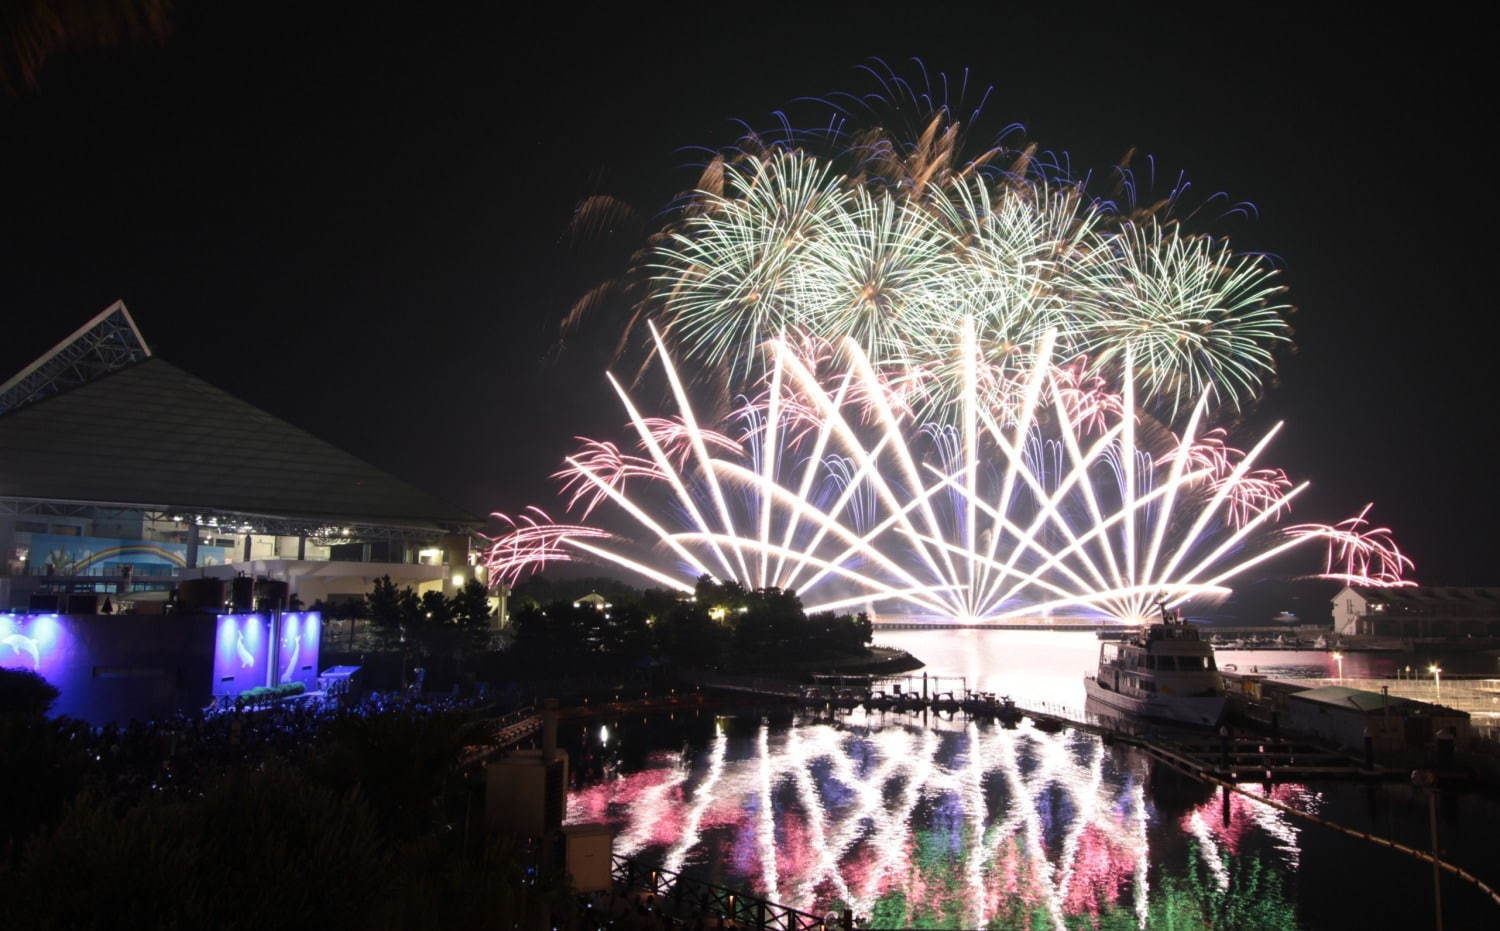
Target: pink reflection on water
[861, 814]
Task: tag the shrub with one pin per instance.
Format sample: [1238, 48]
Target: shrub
[261, 849]
[26, 693]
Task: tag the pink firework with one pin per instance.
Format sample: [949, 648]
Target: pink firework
[1249, 493]
[676, 440]
[900, 392]
[603, 461]
[531, 541]
[1089, 403]
[900, 386]
[1359, 553]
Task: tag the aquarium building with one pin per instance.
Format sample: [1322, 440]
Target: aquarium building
[122, 474]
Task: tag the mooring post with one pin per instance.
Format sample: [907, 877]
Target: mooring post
[549, 729]
[1427, 779]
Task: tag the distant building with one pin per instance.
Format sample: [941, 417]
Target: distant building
[1438, 612]
[122, 474]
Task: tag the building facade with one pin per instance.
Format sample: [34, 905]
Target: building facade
[122, 475]
[1417, 612]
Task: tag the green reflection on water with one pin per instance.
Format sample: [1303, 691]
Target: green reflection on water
[1187, 900]
[1254, 898]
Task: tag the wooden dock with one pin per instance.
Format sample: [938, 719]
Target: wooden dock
[1235, 754]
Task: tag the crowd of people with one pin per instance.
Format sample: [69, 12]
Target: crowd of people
[177, 753]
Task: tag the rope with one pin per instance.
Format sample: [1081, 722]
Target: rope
[1424, 855]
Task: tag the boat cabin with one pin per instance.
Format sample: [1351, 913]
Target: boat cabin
[1166, 659]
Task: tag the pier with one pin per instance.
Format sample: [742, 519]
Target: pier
[687, 899]
[1235, 754]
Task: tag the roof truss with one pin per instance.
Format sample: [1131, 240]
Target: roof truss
[108, 342]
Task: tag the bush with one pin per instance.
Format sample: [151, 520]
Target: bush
[261, 849]
[26, 693]
[44, 763]
[263, 694]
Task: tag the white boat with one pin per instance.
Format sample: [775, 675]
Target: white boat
[1165, 671]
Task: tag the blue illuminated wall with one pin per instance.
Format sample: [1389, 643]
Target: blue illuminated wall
[243, 658]
[297, 650]
[242, 650]
[123, 667]
[42, 643]
[114, 667]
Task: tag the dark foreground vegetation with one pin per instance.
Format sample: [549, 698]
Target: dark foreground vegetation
[585, 629]
[720, 627]
[297, 816]
[354, 813]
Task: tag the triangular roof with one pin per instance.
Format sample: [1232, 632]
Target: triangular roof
[108, 342]
[152, 435]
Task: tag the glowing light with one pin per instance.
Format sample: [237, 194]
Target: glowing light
[890, 241]
[1049, 495]
[1358, 553]
[964, 821]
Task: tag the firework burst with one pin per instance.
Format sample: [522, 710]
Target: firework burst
[1065, 500]
[891, 236]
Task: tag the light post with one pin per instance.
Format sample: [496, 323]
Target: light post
[1437, 679]
[1339, 658]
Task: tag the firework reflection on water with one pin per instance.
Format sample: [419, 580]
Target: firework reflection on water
[948, 823]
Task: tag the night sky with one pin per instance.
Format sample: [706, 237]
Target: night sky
[356, 220]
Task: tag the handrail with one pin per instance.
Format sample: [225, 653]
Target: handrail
[748, 910]
[502, 732]
[1187, 768]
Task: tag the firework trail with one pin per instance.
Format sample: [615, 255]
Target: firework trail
[964, 385]
[1063, 498]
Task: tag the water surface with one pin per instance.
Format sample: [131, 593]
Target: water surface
[926, 821]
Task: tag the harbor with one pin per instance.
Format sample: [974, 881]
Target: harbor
[823, 802]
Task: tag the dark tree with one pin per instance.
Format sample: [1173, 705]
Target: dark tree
[471, 612]
[435, 610]
[687, 636]
[25, 693]
[393, 611]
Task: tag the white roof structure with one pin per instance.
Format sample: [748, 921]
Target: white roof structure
[107, 343]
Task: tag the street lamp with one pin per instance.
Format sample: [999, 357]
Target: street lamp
[1339, 658]
[1437, 678]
